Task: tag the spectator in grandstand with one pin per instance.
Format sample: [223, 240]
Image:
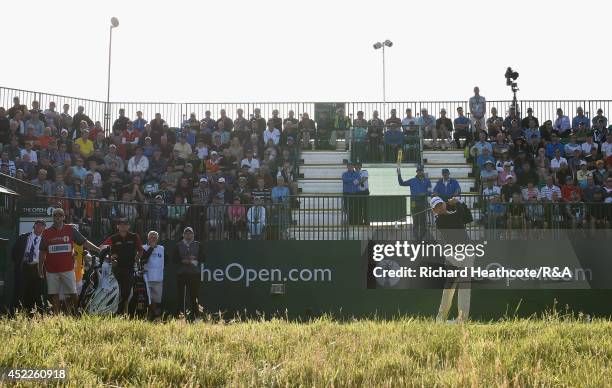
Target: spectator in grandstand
[86, 146]
[548, 190]
[599, 212]
[324, 128]
[258, 123]
[420, 189]
[489, 173]
[516, 214]
[65, 118]
[530, 191]
[478, 108]
[236, 215]
[394, 142]
[307, 129]
[250, 161]
[427, 123]
[446, 187]
[138, 164]
[569, 188]
[393, 121]
[505, 172]
[494, 123]
[526, 174]
[256, 219]
[515, 131]
[606, 147]
[557, 160]
[599, 117]
[409, 123]
[534, 212]
[375, 137]
[509, 188]
[341, 129]
[600, 173]
[525, 123]
[360, 131]
[42, 182]
[5, 128]
[562, 125]
[583, 174]
[481, 144]
[271, 133]
[462, 128]
[37, 124]
[442, 129]
[580, 118]
[484, 158]
[560, 175]
[31, 153]
[17, 107]
[5, 161]
[76, 122]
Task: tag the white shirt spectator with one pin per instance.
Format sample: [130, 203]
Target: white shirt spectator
[534, 192]
[364, 186]
[606, 148]
[32, 153]
[97, 178]
[253, 164]
[547, 192]
[274, 135]
[570, 148]
[33, 237]
[202, 152]
[11, 166]
[588, 148]
[137, 166]
[155, 265]
[562, 124]
[555, 163]
[494, 191]
[477, 106]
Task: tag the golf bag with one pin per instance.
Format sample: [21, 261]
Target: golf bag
[100, 292]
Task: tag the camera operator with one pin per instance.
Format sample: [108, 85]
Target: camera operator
[125, 250]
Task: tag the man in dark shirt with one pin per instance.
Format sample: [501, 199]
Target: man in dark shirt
[76, 121]
[451, 225]
[126, 250]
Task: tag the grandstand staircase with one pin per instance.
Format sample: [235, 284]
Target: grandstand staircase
[320, 175]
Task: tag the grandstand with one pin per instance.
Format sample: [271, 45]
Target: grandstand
[208, 181]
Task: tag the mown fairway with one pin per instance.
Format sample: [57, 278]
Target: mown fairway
[404, 352]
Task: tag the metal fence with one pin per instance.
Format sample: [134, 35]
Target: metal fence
[334, 218]
[176, 113]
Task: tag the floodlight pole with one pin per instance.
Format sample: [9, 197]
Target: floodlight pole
[108, 78]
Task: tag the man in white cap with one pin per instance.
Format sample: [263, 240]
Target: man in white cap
[451, 225]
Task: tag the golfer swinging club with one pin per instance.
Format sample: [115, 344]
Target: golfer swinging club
[451, 225]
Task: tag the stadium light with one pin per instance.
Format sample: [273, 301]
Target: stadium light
[379, 45]
[114, 23]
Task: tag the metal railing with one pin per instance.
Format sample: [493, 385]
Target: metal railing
[334, 217]
[367, 149]
[176, 113]
[24, 189]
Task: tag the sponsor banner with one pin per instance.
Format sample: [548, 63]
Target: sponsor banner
[576, 262]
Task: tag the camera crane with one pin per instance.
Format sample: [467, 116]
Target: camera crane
[511, 77]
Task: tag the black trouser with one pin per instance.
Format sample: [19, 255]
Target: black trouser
[362, 208]
[125, 279]
[462, 133]
[188, 289]
[30, 288]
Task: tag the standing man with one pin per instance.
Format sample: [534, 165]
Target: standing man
[189, 256]
[57, 261]
[126, 251]
[154, 258]
[350, 188]
[25, 254]
[478, 108]
[363, 192]
[451, 225]
[420, 189]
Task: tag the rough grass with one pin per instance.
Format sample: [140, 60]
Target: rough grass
[404, 352]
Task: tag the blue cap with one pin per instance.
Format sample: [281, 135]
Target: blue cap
[419, 168]
[445, 171]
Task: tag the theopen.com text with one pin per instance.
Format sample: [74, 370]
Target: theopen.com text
[236, 272]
